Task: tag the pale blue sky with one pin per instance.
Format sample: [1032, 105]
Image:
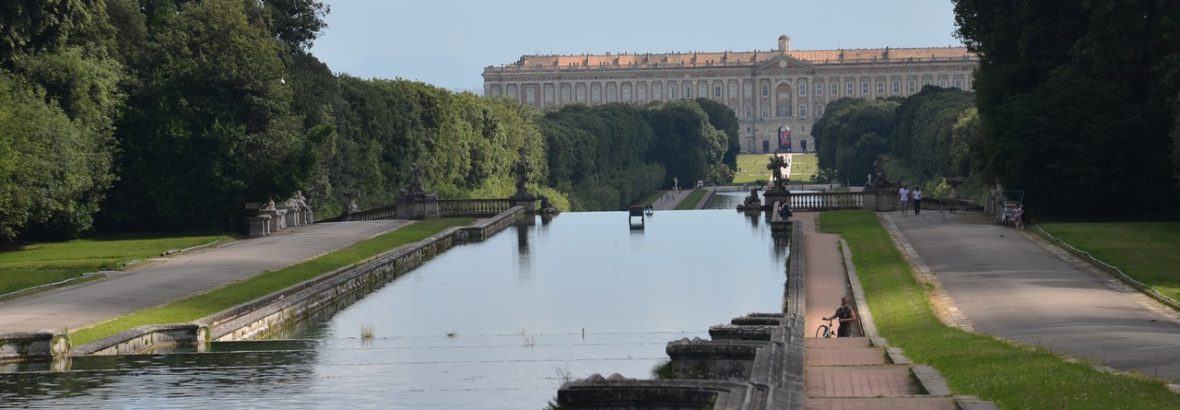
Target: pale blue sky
[448, 42]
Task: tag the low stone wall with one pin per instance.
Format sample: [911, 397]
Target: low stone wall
[20, 346]
[277, 311]
[143, 338]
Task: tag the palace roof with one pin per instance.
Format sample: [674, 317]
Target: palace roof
[733, 59]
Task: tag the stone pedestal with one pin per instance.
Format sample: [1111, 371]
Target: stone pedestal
[529, 202]
[418, 208]
[772, 196]
[880, 199]
[258, 225]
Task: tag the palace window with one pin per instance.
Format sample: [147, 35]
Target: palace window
[717, 91]
[765, 90]
[897, 87]
[688, 91]
[959, 84]
[803, 89]
[765, 111]
[942, 83]
[802, 111]
[671, 93]
[880, 87]
[819, 110]
[819, 88]
[913, 87]
[848, 88]
[749, 112]
[835, 88]
[864, 88]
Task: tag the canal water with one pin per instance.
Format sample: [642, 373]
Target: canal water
[493, 325]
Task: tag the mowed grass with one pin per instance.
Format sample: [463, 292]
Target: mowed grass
[751, 167]
[205, 304]
[649, 198]
[691, 201]
[1146, 251]
[26, 266]
[803, 167]
[1013, 376]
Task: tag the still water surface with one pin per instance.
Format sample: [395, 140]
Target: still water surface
[498, 324]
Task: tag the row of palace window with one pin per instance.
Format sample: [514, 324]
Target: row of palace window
[718, 90]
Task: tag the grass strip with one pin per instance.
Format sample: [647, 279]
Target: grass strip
[1149, 252]
[649, 198]
[233, 294]
[751, 167]
[26, 266]
[1011, 375]
[803, 167]
[691, 201]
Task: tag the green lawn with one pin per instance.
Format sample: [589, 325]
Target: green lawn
[1146, 251]
[649, 198]
[1010, 375]
[691, 201]
[205, 304]
[751, 167]
[32, 265]
[803, 167]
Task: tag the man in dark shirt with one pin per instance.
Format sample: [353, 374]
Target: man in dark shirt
[846, 316]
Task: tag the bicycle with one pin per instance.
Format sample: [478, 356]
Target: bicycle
[825, 331]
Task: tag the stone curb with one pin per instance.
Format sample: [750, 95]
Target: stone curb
[1112, 270]
[83, 278]
[944, 306]
[928, 377]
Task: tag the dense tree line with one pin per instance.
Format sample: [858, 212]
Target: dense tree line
[923, 138]
[1079, 101]
[607, 157]
[852, 134]
[171, 114]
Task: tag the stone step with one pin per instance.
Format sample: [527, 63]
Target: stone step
[837, 343]
[890, 403]
[851, 356]
[861, 381]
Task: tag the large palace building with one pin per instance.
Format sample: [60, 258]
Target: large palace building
[777, 95]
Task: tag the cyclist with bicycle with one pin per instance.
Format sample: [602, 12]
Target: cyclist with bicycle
[846, 316]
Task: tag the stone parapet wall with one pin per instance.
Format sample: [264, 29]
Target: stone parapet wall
[19, 346]
[754, 362]
[280, 309]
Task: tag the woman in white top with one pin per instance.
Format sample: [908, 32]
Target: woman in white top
[903, 195]
[917, 195]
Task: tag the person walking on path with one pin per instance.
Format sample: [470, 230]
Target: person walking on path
[846, 316]
[1018, 217]
[917, 195]
[903, 196]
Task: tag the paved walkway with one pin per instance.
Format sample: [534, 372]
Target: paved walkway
[180, 276]
[1019, 288]
[670, 199]
[853, 373]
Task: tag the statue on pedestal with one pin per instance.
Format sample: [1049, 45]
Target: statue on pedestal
[522, 170]
[413, 190]
[776, 166]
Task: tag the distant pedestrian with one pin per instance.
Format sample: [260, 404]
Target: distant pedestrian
[903, 197]
[917, 197]
[1018, 217]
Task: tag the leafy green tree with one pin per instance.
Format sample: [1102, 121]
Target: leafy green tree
[1076, 101]
[210, 125]
[852, 134]
[723, 118]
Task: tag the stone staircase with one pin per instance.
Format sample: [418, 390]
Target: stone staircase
[864, 373]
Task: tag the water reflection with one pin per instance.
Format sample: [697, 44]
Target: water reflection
[491, 325]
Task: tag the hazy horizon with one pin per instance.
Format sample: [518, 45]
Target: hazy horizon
[448, 43]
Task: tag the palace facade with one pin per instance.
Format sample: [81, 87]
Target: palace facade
[777, 95]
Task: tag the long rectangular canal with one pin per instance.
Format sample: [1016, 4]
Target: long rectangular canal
[498, 324]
